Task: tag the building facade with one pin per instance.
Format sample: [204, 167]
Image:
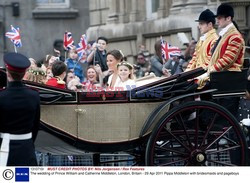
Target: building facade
[130, 23]
[126, 23]
[42, 24]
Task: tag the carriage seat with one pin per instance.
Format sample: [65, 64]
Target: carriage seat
[229, 83]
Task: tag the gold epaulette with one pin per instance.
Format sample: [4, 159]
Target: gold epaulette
[59, 80]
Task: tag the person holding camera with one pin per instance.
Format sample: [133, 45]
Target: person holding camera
[142, 67]
[174, 64]
[98, 55]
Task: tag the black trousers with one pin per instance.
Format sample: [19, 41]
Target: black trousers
[21, 153]
[231, 104]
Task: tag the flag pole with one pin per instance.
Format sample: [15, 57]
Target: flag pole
[94, 57]
[65, 47]
[15, 48]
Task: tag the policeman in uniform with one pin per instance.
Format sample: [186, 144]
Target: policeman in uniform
[202, 54]
[19, 115]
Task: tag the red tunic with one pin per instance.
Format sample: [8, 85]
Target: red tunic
[229, 54]
[54, 82]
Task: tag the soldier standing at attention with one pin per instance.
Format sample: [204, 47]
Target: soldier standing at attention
[202, 54]
[19, 115]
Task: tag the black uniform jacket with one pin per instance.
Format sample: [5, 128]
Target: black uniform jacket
[20, 114]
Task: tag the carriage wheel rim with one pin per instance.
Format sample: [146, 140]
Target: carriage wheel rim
[201, 158]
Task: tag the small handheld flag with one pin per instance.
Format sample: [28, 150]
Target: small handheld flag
[169, 51]
[82, 46]
[68, 41]
[14, 36]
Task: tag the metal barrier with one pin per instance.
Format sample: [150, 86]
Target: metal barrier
[47, 159]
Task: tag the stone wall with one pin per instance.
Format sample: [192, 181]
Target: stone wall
[126, 25]
[40, 27]
[124, 22]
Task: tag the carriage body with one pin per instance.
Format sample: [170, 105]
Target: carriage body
[150, 117]
[99, 123]
[107, 118]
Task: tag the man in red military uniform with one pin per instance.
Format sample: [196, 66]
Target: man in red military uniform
[19, 115]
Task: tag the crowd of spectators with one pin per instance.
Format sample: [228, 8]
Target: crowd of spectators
[104, 69]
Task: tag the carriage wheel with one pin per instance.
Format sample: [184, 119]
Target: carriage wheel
[197, 133]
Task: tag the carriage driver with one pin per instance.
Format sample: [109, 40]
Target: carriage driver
[202, 54]
[228, 51]
[19, 115]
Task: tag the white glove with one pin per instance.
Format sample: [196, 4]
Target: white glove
[202, 76]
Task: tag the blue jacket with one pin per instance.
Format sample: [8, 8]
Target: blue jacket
[76, 67]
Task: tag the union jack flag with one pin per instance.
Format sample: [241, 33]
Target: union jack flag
[68, 41]
[82, 46]
[14, 36]
[169, 51]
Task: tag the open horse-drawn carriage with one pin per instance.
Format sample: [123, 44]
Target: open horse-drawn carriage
[159, 124]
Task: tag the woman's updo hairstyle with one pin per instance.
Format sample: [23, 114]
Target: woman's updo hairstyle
[117, 54]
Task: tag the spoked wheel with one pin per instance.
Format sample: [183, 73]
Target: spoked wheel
[197, 133]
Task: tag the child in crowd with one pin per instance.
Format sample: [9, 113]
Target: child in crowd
[59, 72]
[69, 76]
[28, 72]
[72, 81]
[99, 54]
[48, 73]
[74, 65]
[75, 84]
[34, 73]
[127, 78]
[49, 60]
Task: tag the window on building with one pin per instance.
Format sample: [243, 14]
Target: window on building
[53, 3]
[152, 7]
[155, 5]
[54, 9]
